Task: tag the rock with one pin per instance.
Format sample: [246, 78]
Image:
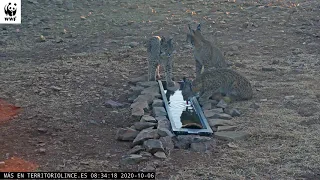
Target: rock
[145, 135]
[154, 90]
[153, 145]
[146, 154]
[254, 106]
[143, 125]
[212, 112]
[42, 150]
[136, 90]
[132, 98]
[297, 51]
[268, 69]
[157, 103]
[226, 128]
[149, 168]
[136, 150]
[133, 44]
[159, 111]
[126, 134]
[263, 100]
[140, 105]
[219, 122]
[58, 2]
[289, 97]
[232, 145]
[240, 65]
[160, 118]
[33, 1]
[203, 146]
[184, 141]
[207, 106]
[59, 40]
[146, 84]
[233, 112]
[134, 81]
[275, 61]
[163, 132]
[137, 112]
[160, 155]
[222, 116]
[222, 104]
[132, 159]
[213, 102]
[42, 130]
[164, 123]
[167, 143]
[113, 104]
[148, 118]
[56, 88]
[123, 47]
[144, 97]
[231, 135]
[69, 5]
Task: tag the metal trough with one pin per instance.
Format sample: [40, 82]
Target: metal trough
[174, 120]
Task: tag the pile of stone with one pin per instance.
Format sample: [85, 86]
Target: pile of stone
[151, 135]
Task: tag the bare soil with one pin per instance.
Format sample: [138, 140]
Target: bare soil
[91, 51]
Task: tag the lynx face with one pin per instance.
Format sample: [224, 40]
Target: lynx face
[188, 90]
[192, 35]
[166, 48]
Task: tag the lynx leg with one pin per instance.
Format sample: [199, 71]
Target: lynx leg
[168, 72]
[152, 71]
[198, 68]
[158, 72]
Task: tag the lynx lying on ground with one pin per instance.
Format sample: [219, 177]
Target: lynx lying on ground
[205, 53]
[160, 53]
[221, 81]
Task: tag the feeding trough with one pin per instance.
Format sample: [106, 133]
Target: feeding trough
[185, 117]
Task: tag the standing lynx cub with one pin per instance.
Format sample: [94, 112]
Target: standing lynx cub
[205, 53]
[160, 53]
[222, 81]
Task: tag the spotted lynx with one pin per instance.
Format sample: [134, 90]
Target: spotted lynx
[160, 53]
[205, 53]
[221, 81]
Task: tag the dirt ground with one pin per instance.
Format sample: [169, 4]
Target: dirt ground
[93, 48]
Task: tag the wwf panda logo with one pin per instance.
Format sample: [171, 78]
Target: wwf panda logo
[10, 9]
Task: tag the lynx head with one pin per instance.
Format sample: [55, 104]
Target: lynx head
[194, 35]
[166, 47]
[188, 90]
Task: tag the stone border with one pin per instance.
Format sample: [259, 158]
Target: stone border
[151, 135]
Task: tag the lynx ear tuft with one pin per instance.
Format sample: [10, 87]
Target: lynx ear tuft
[199, 27]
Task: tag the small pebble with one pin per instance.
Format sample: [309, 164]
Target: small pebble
[289, 97]
[254, 106]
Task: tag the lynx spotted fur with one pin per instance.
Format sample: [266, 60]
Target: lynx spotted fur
[206, 54]
[221, 81]
[160, 53]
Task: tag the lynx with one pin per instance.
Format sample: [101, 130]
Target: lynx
[160, 53]
[205, 53]
[221, 81]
